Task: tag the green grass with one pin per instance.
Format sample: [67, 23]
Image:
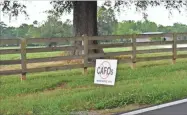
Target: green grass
[66, 91]
[58, 53]
[117, 49]
[63, 92]
[31, 55]
[160, 54]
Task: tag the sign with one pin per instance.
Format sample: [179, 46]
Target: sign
[105, 71]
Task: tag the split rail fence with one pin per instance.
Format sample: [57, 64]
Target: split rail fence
[23, 50]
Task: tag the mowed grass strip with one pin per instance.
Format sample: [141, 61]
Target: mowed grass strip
[63, 92]
[31, 55]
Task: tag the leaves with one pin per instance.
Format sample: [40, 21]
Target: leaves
[13, 8]
[106, 21]
[55, 28]
[62, 6]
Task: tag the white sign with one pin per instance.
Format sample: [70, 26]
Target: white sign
[105, 71]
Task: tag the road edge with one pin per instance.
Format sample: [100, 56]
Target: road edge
[155, 107]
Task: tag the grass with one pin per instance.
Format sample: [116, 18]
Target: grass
[117, 49]
[58, 53]
[31, 55]
[66, 91]
[63, 92]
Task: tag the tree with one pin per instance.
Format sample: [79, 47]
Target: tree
[67, 29]
[53, 28]
[126, 27]
[23, 30]
[106, 21]
[146, 26]
[3, 26]
[33, 32]
[35, 22]
[10, 32]
[85, 13]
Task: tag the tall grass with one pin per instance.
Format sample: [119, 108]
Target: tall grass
[65, 91]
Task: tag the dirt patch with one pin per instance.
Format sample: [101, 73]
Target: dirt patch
[119, 110]
[58, 86]
[52, 88]
[10, 67]
[85, 113]
[114, 111]
[52, 63]
[42, 64]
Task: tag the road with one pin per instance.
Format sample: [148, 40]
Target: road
[180, 109]
[173, 108]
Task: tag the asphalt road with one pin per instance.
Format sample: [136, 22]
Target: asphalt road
[180, 109]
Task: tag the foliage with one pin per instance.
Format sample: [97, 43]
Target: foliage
[2, 28]
[14, 8]
[107, 21]
[51, 28]
[156, 39]
[126, 27]
[141, 6]
[55, 28]
[67, 91]
[132, 27]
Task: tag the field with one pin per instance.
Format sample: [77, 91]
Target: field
[65, 92]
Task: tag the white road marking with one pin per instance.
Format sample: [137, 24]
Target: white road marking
[155, 107]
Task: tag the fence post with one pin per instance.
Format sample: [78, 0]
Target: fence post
[23, 59]
[174, 49]
[85, 54]
[133, 57]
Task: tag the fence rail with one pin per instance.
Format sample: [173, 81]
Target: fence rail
[133, 59]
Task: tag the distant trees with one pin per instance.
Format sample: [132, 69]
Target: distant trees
[107, 25]
[51, 28]
[127, 27]
[132, 27]
[55, 28]
[2, 28]
[85, 13]
[106, 21]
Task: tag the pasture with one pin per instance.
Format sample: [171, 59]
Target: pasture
[66, 92]
[155, 79]
[63, 92]
[61, 53]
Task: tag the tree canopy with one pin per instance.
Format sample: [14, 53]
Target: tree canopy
[64, 29]
[14, 8]
[106, 21]
[85, 15]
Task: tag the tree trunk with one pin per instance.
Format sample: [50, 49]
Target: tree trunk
[85, 22]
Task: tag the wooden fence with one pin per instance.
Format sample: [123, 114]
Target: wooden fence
[85, 39]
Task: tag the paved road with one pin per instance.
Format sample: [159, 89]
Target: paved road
[180, 109]
[172, 108]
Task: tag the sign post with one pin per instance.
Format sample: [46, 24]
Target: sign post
[105, 71]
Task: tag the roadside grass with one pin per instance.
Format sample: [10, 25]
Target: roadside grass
[68, 91]
[63, 92]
